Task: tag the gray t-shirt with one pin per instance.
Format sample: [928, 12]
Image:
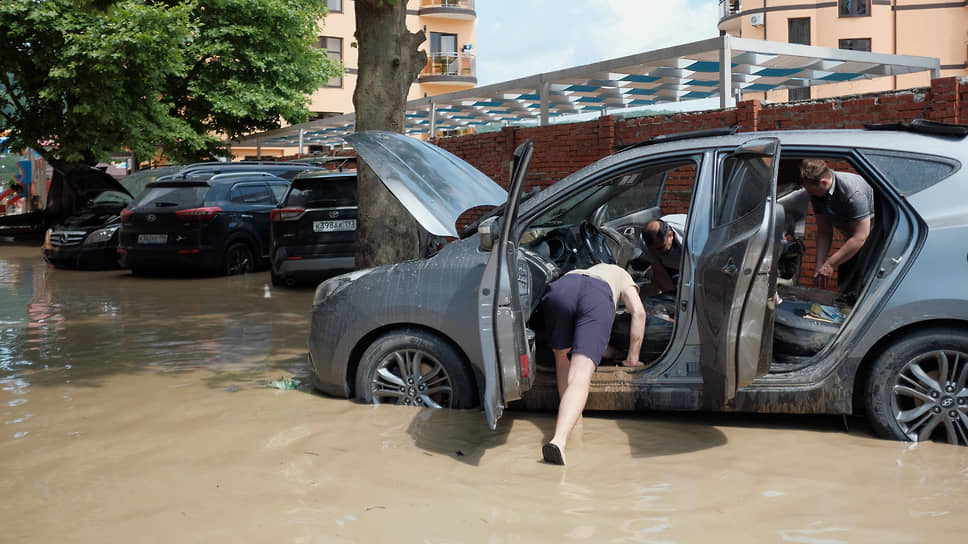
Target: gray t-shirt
[850, 199]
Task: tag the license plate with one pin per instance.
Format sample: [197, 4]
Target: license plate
[334, 226]
[152, 238]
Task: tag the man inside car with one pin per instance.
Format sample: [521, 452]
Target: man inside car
[664, 238]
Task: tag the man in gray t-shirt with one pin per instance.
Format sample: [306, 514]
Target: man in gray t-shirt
[843, 201]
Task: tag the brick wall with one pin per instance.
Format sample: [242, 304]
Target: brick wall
[563, 149]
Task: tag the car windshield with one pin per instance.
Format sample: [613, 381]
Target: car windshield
[112, 197]
[322, 193]
[173, 195]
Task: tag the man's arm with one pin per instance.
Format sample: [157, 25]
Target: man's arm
[859, 231]
[633, 305]
[825, 233]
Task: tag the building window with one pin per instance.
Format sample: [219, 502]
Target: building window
[334, 50]
[334, 6]
[798, 31]
[855, 8]
[855, 44]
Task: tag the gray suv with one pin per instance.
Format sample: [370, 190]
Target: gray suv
[744, 329]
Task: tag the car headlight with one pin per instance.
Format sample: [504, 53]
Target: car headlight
[100, 236]
[336, 284]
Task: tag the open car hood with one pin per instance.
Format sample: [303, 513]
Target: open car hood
[434, 185]
[70, 190]
[88, 183]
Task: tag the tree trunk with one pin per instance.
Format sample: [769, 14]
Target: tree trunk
[389, 61]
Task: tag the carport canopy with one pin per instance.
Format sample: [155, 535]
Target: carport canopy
[692, 71]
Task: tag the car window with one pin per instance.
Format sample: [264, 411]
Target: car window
[278, 189]
[251, 193]
[911, 173]
[173, 195]
[322, 193]
[746, 178]
[668, 185]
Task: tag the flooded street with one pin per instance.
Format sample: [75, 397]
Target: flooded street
[137, 410]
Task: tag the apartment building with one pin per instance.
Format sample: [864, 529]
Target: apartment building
[449, 25]
[930, 28]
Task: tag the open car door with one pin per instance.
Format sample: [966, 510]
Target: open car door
[505, 345]
[736, 273]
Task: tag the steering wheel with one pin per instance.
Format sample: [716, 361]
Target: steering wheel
[594, 242]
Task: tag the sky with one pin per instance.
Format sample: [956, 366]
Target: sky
[518, 38]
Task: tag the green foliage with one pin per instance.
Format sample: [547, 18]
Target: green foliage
[80, 79]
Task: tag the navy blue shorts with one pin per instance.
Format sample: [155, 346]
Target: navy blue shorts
[578, 314]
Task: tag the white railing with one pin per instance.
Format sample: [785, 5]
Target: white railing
[466, 4]
[451, 64]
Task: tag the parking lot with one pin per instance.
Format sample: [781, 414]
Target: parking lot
[137, 409]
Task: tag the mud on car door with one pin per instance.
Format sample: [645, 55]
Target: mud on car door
[505, 345]
[736, 273]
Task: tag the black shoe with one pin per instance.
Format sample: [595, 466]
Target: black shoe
[552, 454]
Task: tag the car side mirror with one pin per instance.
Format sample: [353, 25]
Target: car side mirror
[488, 232]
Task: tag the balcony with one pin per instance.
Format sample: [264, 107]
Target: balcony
[448, 9]
[730, 21]
[728, 8]
[451, 68]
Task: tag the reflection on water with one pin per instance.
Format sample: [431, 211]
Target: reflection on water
[135, 409]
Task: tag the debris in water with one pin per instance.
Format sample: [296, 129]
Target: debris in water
[284, 383]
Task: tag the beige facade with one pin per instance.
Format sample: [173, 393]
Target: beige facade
[450, 48]
[929, 28]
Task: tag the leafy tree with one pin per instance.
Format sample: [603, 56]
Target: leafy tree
[80, 79]
[389, 62]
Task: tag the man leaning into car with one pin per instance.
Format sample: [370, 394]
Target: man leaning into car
[579, 309]
[843, 201]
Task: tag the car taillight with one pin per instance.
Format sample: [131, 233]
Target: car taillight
[198, 214]
[126, 215]
[286, 214]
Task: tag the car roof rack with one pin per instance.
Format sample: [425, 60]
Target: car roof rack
[674, 137]
[230, 175]
[924, 126]
[233, 164]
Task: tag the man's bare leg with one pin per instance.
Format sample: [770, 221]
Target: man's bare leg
[578, 379]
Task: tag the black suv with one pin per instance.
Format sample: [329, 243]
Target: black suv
[214, 225]
[314, 228]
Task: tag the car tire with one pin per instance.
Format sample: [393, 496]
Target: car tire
[905, 397]
[238, 259]
[386, 375]
[276, 279]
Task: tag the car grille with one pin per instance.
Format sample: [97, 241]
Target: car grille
[63, 238]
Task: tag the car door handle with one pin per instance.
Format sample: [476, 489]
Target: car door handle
[731, 269]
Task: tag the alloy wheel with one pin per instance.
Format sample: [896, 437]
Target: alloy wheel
[930, 397]
[412, 377]
[238, 260]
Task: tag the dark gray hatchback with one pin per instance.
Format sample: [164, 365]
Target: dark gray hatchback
[214, 225]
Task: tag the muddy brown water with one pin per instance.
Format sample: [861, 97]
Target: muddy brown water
[137, 410]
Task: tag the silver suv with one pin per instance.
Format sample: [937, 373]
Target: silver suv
[744, 330]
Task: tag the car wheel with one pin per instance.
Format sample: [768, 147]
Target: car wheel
[277, 280]
[415, 368]
[918, 388]
[238, 259]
